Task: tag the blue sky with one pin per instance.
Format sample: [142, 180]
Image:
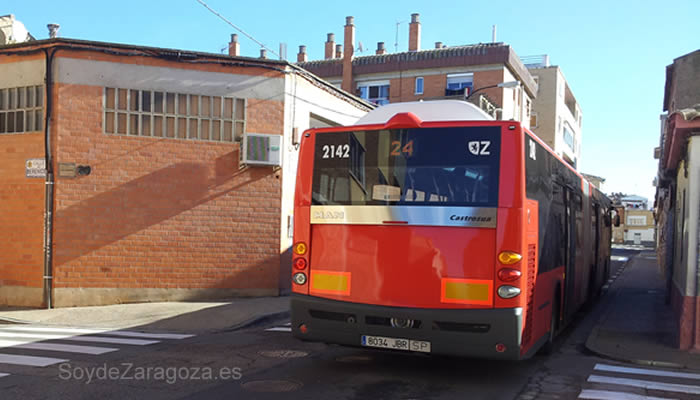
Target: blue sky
[613, 53]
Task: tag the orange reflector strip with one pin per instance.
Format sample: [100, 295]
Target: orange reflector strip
[467, 291]
[330, 282]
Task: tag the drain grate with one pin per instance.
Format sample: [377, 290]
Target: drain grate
[272, 386]
[283, 353]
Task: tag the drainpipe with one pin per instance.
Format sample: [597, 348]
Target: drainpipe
[49, 192]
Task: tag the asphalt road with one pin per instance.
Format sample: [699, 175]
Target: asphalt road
[258, 363]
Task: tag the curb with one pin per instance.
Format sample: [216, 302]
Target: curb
[14, 321]
[648, 363]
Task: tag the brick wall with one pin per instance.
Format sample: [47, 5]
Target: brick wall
[404, 89]
[488, 78]
[21, 221]
[161, 213]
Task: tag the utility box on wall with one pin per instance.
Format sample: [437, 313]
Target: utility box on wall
[262, 149]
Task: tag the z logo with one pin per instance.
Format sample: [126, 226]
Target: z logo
[479, 148]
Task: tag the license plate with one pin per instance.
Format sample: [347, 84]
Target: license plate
[396, 343]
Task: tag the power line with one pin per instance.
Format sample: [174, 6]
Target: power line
[236, 28]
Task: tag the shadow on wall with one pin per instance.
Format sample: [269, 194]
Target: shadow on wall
[141, 203]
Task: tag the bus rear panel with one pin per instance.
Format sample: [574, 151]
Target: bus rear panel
[400, 236]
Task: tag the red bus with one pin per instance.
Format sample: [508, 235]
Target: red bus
[430, 227]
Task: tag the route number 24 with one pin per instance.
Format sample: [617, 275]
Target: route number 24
[397, 149]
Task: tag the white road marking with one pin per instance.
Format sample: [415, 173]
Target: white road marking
[669, 387]
[68, 348]
[175, 336]
[101, 339]
[288, 324]
[280, 329]
[47, 329]
[643, 371]
[619, 258]
[29, 360]
[3, 374]
[608, 395]
[97, 339]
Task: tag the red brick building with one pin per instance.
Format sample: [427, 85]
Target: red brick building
[438, 73]
[145, 197]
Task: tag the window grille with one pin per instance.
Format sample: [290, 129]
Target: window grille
[22, 109]
[151, 113]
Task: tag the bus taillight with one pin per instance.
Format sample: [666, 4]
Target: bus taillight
[300, 248]
[509, 274]
[509, 257]
[299, 278]
[299, 263]
[508, 292]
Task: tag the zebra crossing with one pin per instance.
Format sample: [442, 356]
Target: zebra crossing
[608, 382]
[38, 339]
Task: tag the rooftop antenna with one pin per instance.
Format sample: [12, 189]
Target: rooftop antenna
[396, 43]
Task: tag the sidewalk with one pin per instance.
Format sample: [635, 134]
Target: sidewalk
[636, 325]
[191, 317]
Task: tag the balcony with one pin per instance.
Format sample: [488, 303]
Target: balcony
[463, 92]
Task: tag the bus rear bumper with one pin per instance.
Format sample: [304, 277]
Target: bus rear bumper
[459, 332]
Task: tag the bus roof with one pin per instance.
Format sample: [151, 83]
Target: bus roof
[427, 111]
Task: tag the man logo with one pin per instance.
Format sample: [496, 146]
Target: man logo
[479, 148]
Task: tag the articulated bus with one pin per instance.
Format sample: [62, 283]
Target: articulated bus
[429, 227]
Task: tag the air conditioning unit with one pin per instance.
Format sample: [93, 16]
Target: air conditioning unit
[262, 149]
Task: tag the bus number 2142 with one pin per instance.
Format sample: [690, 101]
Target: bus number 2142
[333, 151]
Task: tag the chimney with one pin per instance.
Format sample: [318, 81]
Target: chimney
[330, 45]
[53, 30]
[493, 34]
[234, 48]
[349, 51]
[414, 33]
[263, 53]
[380, 48]
[302, 56]
[438, 45]
[338, 51]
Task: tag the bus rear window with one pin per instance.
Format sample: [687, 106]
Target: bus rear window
[456, 166]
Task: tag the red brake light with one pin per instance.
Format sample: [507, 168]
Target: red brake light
[299, 263]
[509, 274]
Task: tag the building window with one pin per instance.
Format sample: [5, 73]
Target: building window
[419, 85]
[528, 107]
[459, 84]
[533, 120]
[375, 92]
[22, 109]
[173, 115]
[569, 137]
